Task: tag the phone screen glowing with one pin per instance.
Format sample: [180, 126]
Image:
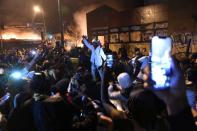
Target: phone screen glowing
[160, 61]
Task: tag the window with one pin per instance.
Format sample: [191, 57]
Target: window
[162, 32]
[147, 35]
[135, 36]
[124, 37]
[114, 38]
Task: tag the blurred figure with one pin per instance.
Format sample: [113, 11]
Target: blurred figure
[106, 49]
[123, 53]
[137, 54]
[144, 51]
[119, 94]
[147, 110]
[97, 57]
[84, 59]
[42, 112]
[3, 122]
[191, 83]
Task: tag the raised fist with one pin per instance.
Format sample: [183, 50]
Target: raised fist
[84, 37]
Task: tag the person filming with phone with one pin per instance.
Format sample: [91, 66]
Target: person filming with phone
[98, 56]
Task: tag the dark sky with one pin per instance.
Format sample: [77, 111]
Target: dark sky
[15, 12]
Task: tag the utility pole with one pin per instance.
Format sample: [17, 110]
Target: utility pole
[2, 25]
[43, 18]
[1, 41]
[1, 37]
[61, 22]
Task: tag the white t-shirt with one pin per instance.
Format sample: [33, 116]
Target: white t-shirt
[96, 54]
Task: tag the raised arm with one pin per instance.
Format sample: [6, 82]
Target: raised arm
[87, 44]
[104, 99]
[180, 116]
[30, 64]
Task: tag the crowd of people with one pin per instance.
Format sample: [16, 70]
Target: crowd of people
[42, 90]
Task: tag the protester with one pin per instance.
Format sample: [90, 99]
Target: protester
[123, 53]
[144, 111]
[97, 57]
[45, 91]
[119, 93]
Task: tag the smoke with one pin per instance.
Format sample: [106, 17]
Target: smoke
[17, 33]
[80, 18]
[80, 15]
[78, 27]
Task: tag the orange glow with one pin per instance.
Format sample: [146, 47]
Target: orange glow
[67, 47]
[37, 9]
[72, 41]
[8, 36]
[20, 34]
[80, 18]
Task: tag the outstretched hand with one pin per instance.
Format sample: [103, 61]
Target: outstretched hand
[175, 96]
[83, 37]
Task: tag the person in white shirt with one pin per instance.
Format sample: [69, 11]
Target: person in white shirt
[97, 57]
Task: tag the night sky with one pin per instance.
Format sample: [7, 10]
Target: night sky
[20, 12]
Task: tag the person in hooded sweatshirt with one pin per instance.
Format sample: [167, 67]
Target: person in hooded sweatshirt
[119, 93]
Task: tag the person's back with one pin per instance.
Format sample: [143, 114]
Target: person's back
[49, 114]
[52, 114]
[21, 118]
[41, 113]
[147, 111]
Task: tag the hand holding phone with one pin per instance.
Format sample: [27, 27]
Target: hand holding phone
[175, 96]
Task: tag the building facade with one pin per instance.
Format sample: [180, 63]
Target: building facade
[135, 27]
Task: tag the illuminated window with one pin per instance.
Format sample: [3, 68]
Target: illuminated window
[147, 35]
[135, 36]
[114, 38]
[124, 37]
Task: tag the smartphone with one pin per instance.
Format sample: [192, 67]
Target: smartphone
[161, 62]
[109, 61]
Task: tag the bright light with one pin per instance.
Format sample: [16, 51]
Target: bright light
[33, 52]
[37, 9]
[50, 36]
[16, 75]
[8, 36]
[20, 34]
